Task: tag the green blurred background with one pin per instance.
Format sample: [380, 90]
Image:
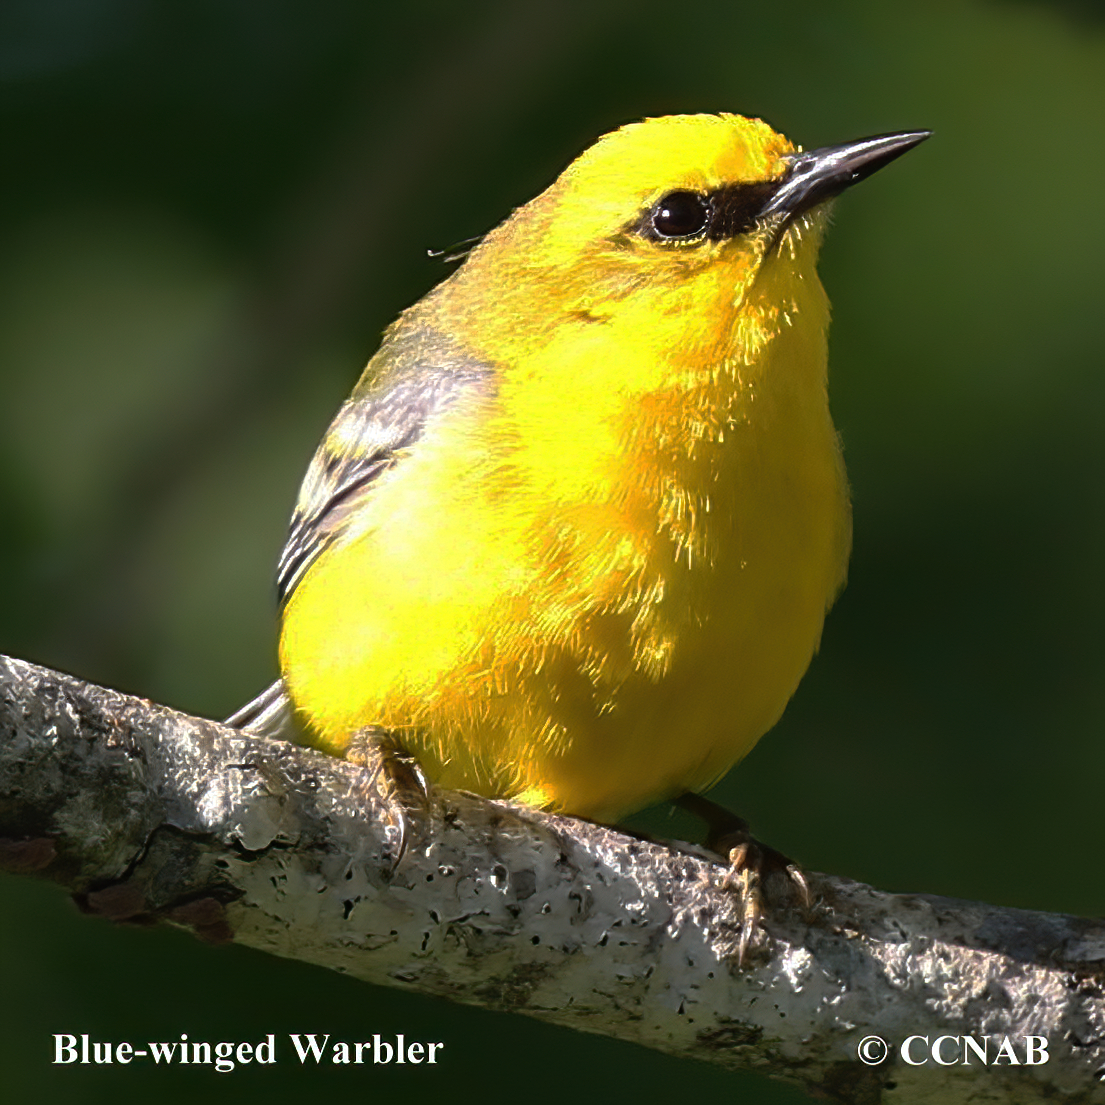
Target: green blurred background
[211, 210]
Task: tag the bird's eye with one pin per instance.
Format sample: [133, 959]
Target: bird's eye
[680, 215]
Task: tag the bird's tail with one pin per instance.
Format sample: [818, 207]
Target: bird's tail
[270, 714]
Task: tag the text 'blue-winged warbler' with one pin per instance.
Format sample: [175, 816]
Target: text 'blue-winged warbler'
[573, 537]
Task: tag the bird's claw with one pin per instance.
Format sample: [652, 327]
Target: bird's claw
[398, 777]
[751, 863]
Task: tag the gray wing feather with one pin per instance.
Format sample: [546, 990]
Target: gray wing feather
[384, 423]
[425, 376]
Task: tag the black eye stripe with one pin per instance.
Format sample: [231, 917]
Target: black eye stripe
[725, 212]
[738, 207]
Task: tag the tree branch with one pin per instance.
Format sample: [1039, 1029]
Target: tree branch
[144, 813]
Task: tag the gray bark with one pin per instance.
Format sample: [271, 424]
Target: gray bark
[146, 813]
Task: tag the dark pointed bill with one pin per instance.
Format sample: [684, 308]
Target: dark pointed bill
[808, 179]
[817, 175]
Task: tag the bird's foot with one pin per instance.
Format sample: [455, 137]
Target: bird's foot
[751, 864]
[398, 777]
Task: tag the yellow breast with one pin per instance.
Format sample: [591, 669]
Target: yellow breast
[574, 536]
[616, 590]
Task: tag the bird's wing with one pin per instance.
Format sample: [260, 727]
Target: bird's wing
[371, 433]
[424, 376]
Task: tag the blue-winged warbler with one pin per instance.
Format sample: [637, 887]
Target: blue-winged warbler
[573, 537]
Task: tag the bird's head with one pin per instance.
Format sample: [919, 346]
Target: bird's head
[667, 215]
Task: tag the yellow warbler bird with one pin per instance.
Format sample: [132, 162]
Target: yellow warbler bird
[573, 537]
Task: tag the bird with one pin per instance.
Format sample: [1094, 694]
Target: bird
[572, 539]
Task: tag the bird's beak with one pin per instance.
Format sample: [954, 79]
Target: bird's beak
[814, 176]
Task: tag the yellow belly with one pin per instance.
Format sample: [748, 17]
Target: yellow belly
[579, 637]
